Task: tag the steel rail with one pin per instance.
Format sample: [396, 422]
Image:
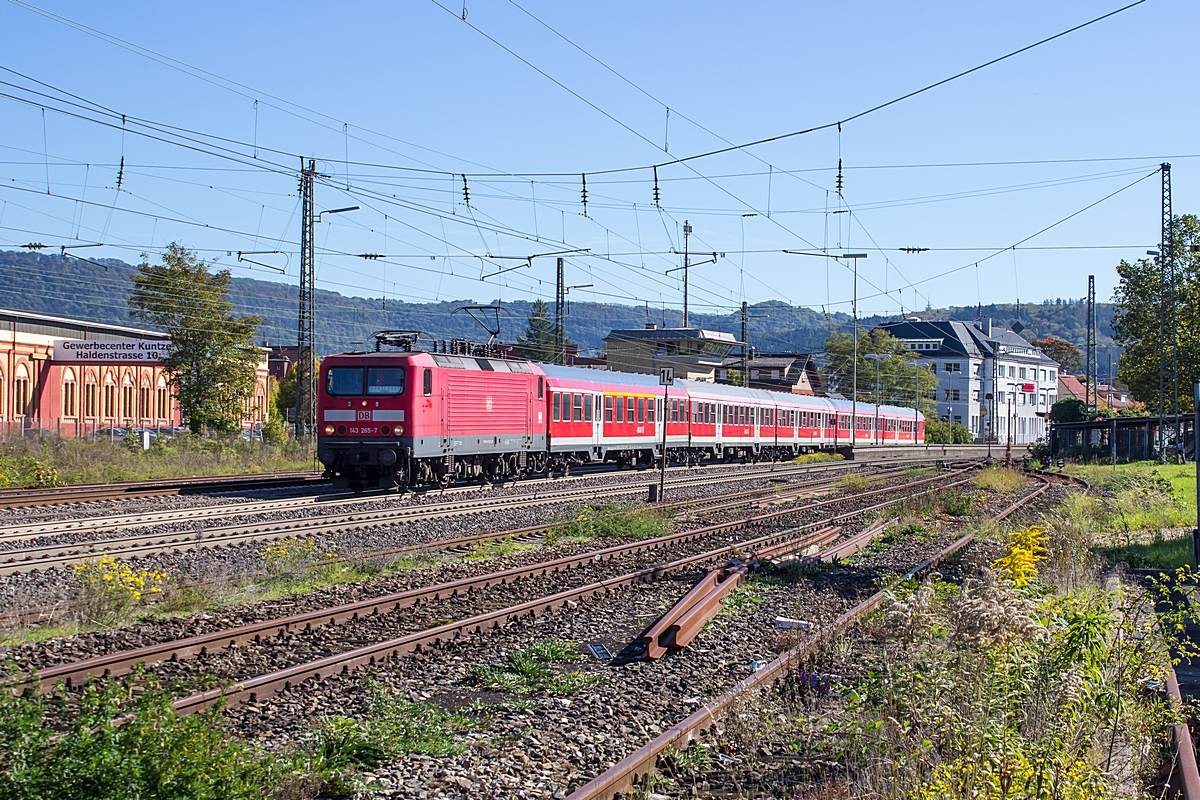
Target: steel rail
[532, 533]
[215, 641]
[627, 772]
[342, 663]
[123, 521]
[1184, 747]
[88, 492]
[42, 557]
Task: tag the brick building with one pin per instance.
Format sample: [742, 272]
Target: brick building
[73, 377]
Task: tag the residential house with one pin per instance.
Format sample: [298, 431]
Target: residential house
[987, 375]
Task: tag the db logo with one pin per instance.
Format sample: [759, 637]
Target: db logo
[364, 415]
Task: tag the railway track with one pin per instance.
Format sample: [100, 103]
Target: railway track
[60, 555]
[633, 769]
[120, 662]
[124, 490]
[26, 530]
[213, 642]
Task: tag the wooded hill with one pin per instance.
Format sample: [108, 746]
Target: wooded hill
[67, 287]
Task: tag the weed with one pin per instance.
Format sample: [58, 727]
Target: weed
[999, 479]
[817, 458]
[1025, 549]
[957, 504]
[531, 669]
[601, 522]
[853, 484]
[291, 563]
[495, 548]
[154, 752]
[749, 595]
[108, 590]
[31, 463]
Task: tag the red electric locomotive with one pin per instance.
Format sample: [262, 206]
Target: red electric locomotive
[396, 419]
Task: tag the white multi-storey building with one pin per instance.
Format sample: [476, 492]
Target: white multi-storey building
[987, 376]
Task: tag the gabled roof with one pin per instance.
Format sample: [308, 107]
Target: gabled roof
[964, 340]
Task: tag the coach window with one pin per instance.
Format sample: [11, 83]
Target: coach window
[555, 406]
[588, 400]
[344, 380]
[608, 408]
[579, 408]
[641, 409]
[427, 383]
[650, 410]
[629, 409]
[620, 409]
[541, 381]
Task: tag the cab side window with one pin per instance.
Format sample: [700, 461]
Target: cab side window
[427, 382]
[541, 385]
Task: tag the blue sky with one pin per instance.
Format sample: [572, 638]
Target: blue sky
[399, 87]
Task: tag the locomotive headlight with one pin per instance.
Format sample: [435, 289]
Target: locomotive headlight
[398, 430]
[329, 430]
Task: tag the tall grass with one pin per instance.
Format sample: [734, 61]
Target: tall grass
[59, 462]
[999, 480]
[613, 521]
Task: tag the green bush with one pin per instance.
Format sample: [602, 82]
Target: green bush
[153, 753]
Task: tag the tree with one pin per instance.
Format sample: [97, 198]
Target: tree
[1136, 322]
[213, 361]
[538, 342]
[1069, 409]
[897, 380]
[1069, 359]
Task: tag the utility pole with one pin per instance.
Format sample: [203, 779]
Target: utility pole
[560, 311]
[745, 345]
[306, 376]
[1165, 305]
[1091, 397]
[687, 231]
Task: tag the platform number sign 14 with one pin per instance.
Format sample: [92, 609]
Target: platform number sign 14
[666, 376]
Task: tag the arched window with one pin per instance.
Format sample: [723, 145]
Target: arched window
[128, 411]
[144, 407]
[162, 400]
[89, 394]
[20, 391]
[70, 392]
[110, 396]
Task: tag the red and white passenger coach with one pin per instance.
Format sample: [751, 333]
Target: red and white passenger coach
[410, 418]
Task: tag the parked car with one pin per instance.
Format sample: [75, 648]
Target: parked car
[40, 433]
[249, 435]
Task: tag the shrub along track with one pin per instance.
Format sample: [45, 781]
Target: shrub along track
[323, 630]
[549, 744]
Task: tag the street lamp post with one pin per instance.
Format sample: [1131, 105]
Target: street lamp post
[876, 357]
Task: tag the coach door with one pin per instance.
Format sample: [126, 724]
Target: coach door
[597, 406]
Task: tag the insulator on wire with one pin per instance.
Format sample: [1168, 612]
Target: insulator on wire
[657, 197]
[584, 194]
[839, 177]
[466, 192]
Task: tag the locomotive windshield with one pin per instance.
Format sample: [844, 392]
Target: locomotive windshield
[344, 380]
[385, 380]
